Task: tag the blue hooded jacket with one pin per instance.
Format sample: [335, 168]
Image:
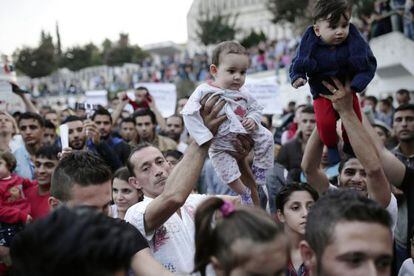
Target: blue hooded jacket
[318, 61]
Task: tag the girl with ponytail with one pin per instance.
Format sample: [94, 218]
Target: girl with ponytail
[238, 241]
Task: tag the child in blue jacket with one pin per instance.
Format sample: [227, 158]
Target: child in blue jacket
[332, 47]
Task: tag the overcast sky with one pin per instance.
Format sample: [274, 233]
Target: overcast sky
[83, 21]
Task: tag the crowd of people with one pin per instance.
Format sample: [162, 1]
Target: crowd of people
[213, 189]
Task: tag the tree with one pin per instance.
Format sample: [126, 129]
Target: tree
[79, 57]
[122, 52]
[253, 39]
[37, 62]
[215, 28]
[299, 13]
[288, 11]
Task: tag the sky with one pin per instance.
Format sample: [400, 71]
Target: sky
[84, 21]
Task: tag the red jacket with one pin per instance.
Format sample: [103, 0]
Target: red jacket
[14, 205]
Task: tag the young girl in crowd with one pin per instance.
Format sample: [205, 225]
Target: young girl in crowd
[230, 62]
[123, 194]
[293, 203]
[238, 241]
[332, 47]
[14, 205]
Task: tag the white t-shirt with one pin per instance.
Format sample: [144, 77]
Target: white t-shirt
[392, 208]
[173, 243]
[407, 268]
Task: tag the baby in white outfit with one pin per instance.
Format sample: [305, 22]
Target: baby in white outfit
[229, 65]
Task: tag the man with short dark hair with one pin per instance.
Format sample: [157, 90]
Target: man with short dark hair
[403, 126]
[146, 124]
[404, 131]
[174, 128]
[49, 134]
[80, 131]
[290, 154]
[77, 137]
[403, 97]
[166, 215]
[53, 116]
[127, 130]
[385, 111]
[83, 179]
[77, 241]
[31, 127]
[103, 120]
[45, 163]
[347, 234]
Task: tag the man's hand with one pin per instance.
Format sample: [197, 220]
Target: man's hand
[123, 99]
[65, 152]
[249, 124]
[209, 110]
[17, 90]
[342, 95]
[299, 82]
[151, 102]
[92, 132]
[242, 146]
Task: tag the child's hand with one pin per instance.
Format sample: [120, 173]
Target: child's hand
[29, 219]
[249, 124]
[298, 83]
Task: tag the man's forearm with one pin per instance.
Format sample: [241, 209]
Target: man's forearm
[177, 188]
[311, 164]
[361, 142]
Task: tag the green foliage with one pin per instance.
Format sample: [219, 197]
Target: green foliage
[215, 28]
[122, 52]
[80, 57]
[253, 39]
[363, 7]
[287, 10]
[298, 12]
[37, 62]
[46, 58]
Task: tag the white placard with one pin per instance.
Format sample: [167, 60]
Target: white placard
[97, 97]
[267, 95]
[165, 96]
[64, 135]
[8, 100]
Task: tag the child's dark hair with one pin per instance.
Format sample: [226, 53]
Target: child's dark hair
[331, 10]
[10, 160]
[49, 152]
[227, 47]
[285, 192]
[215, 236]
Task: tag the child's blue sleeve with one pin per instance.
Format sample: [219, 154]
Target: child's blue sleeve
[302, 63]
[362, 60]
[367, 67]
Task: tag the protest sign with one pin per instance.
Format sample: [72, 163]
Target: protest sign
[8, 100]
[165, 96]
[267, 95]
[96, 97]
